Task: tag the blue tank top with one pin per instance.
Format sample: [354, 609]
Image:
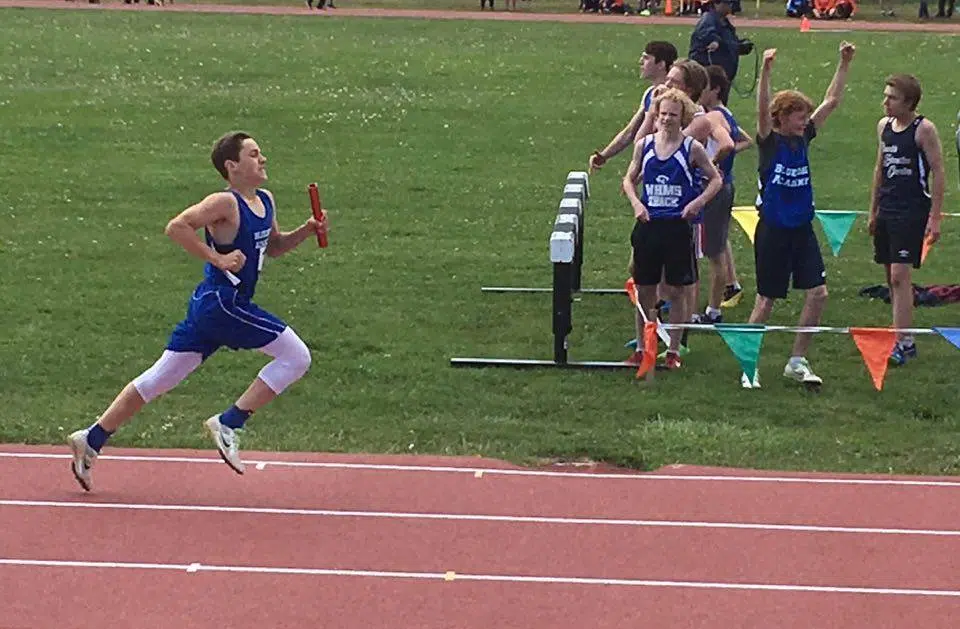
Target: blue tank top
[647, 99]
[785, 198]
[252, 237]
[726, 166]
[667, 185]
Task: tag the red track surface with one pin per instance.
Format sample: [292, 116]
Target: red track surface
[297, 8]
[650, 543]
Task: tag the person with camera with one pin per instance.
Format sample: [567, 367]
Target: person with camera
[714, 39]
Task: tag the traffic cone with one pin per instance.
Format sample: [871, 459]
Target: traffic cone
[804, 24]
[669, 8]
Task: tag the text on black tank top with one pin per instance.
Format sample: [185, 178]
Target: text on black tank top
[904, 186]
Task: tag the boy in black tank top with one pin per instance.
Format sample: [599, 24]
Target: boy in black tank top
[904, 211]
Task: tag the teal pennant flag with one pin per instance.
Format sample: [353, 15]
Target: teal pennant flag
[744, 340]
[836, 225]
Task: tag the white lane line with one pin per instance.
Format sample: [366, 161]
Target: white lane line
[503, 578]
[515, 472]
[457, 517]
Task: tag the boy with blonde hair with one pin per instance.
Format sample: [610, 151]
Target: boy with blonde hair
[671, 197]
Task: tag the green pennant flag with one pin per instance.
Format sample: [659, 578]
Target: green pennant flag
[836, 225]
[744, 340]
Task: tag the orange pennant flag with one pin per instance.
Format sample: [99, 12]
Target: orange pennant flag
[875, 345]
[631, 287]
[649, 349]
[926, 249]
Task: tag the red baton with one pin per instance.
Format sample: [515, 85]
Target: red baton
[317, 211]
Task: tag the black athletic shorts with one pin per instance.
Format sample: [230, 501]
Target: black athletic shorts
[899, 239]
[784, 252]
[664, 247]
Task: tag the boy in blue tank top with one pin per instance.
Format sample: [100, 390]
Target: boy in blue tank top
[785, 244]
[240, 228]
[671, 196]
[904, 210]
[724, 287]
[655, 62]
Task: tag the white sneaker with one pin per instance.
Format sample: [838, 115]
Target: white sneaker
[225, 438]
[747, 384]
[83, 458]
[801, 372]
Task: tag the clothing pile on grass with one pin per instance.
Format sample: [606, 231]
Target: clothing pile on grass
[933, 295]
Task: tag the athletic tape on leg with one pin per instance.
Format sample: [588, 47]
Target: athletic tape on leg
[169, 371]
[291, 360]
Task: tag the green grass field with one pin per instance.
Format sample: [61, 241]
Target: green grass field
[441, 150]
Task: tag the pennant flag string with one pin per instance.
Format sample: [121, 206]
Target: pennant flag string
[749, 327]
[836, 225]
[744, 340]
[751, 208]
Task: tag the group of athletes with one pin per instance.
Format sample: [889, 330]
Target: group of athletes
[680, 185]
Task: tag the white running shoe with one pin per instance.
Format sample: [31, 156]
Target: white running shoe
[801, 372]
[83, 458]
[747, 384]
[225, 438]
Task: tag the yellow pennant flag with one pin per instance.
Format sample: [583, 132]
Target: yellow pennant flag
[748, 217]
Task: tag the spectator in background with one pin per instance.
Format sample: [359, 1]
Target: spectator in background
[799, 8]
[834, 9]
[714, 39]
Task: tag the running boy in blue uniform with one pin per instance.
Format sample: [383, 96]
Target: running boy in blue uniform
[664, 167]
[903, 212]
[785, 244]
[240, 228]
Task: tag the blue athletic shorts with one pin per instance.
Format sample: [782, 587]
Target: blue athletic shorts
[217, 317]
